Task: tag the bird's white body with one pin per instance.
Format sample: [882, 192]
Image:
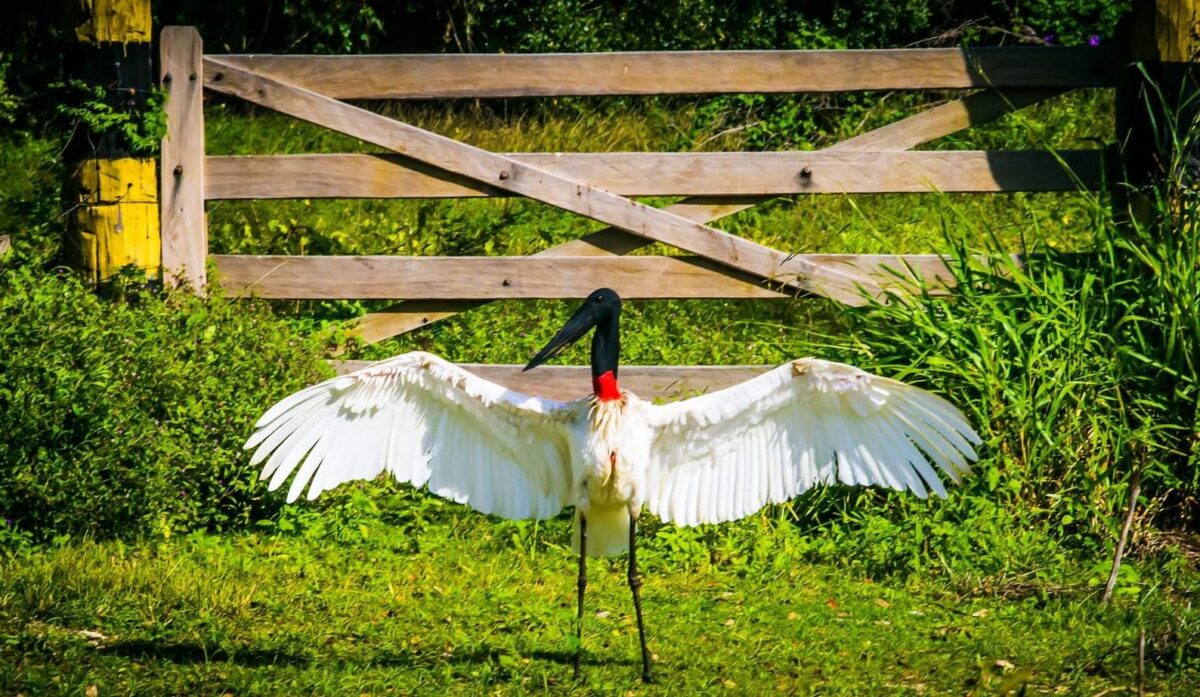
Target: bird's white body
[709, 459]
[614, 438]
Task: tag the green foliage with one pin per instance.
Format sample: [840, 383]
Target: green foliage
[1071, 22]
[30, 200]
[126, 415]
[90, 105]
[8, 100]
[335, 27]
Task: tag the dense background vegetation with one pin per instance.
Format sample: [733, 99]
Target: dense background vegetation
[122, 411]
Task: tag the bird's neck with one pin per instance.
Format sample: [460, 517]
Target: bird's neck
[606, 350]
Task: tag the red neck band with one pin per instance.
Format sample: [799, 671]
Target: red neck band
[605, 387]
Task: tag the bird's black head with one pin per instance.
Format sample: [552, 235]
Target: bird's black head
[601, 310]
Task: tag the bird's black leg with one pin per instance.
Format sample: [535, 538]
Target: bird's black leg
[582, 586]
[635, 582]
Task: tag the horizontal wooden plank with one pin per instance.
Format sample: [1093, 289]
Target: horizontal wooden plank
[664, 174]
[566, 382]
[682, 72]
[496, 278]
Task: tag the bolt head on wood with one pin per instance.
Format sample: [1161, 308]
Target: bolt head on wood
[504, 174]
[178, 170]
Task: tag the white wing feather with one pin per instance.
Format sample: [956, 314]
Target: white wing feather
[725, 455]
[427, 422]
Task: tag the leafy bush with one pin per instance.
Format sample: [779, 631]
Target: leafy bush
[30, 199]
[126, 415]
[8, 101]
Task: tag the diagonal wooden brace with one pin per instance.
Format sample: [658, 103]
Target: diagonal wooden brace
[651, 223]
[904, 134]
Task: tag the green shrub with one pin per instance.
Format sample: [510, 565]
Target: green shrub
[125, 415]
[31, 175]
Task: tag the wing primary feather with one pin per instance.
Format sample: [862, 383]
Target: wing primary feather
[286, 404]
[284, 460]
[261, 434]
[879, 448]
[940, 453]
[908, 452]
[287, 428]
[946, 430]
[948, 413]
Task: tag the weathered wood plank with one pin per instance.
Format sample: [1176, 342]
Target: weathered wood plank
[505, 173]
[184, 229]
[944, 119]
[567, 382]
[663, 174]
[906, 133]
[496, 278]
[685, 72]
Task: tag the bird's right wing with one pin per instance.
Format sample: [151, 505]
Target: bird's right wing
[427, 422]
[725, 455]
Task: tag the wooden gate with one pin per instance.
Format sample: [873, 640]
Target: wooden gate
[422, 164]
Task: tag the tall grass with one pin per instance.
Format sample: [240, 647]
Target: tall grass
[1080, 368]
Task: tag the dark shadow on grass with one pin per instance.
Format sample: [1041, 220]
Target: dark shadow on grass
[141, 649]
[487, 654]
[567, 658]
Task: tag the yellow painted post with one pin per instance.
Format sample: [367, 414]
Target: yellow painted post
[115, 222]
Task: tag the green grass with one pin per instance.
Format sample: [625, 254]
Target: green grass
[463, 605]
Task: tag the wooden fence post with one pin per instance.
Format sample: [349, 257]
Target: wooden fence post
[1156, 106]
[1164, 39]
[115, 219]
[184, 227]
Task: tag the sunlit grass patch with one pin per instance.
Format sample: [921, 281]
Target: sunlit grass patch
[470, 612]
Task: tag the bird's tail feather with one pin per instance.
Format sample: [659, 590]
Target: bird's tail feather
[607, 530]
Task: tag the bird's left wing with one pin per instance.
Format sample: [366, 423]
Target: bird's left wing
[725, 455]
[427, 422]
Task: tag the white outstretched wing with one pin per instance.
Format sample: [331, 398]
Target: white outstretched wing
[427, 422]
[725, 455]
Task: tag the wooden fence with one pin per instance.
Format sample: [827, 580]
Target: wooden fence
[421, 164]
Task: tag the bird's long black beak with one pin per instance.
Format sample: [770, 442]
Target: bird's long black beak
[580, 323]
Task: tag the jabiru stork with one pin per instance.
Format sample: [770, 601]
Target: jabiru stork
[710, 459]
